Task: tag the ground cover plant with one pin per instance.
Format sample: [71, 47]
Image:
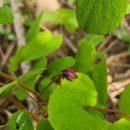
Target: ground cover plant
[70, 92]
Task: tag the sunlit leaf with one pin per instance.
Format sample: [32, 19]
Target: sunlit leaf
[100, 17]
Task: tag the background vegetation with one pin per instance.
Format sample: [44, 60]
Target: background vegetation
[64, 65]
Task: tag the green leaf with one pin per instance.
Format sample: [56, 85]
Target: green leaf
[41, 45]
[62, 16]
[39, 64]
[31, 77]
[62, 63]
[85, 56]
[15, 60]
[66, 112]
[20, 121]
[128, 9]
[84, 84]
[7, 86]
[122, 124]
[44, 125]
[33, 31]
[100, 17]
[66, 103]
[99, 77]
[6, 15]
[71, 1]
[124, 104]
[94, 39]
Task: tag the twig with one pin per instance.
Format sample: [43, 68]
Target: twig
[120, 85]
[70, 44]
[19, 30]
[7, 55]
[107, 110]
[31, 97]
[118, 56]
[1, 53]
[1, 3]
[113, 43]
[101, 46]
[2, 84]
[126, 25]
[119, 64]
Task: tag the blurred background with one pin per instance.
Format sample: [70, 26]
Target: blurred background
[59, 18]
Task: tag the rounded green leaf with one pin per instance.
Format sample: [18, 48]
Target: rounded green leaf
[6, 15]
[41, 45]
[66, 104]
[85, 85]
[66, 112]
[100, 16]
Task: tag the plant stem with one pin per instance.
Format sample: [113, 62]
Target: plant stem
[2, 74]
[107, 110]
[44, 89]
[31, 97]
[47, 87]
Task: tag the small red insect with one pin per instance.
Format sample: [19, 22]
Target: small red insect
[69, 74]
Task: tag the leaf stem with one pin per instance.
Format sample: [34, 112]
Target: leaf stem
[2, 74]
[44, 89]
[31, 97]
[107, 110]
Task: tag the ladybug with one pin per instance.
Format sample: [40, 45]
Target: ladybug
[69, 74]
